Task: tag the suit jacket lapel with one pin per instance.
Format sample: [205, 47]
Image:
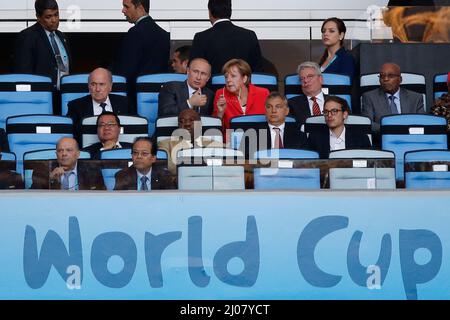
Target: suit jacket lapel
[383, 101]
[45, 40]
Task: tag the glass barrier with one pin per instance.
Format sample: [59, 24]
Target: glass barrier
[8, 178]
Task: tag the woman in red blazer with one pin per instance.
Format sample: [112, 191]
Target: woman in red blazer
[239, 97]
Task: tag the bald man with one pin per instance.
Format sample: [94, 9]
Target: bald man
[389, 98]
[68, 173]
[99, 100]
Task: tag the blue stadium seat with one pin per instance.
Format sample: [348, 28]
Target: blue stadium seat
[46, 154]
[439, 85]
[283, 177]
[409, 132]
[8, 156]
[264, 80]
[147, 88]
[333, 84]
[165, 126]
[75, 86]
[360, 176]
[35, 132]
[434, 176]
[24, 94]
[211, 178]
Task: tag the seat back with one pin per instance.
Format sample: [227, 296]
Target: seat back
[45, 154]
[147, 88]
[75, 86]
[409, 132]
[35, 132]
[264, 80]
[211, 127]
[22, 94]
[360, 176]
[439, 85]
[211, 178]
[131, 128]
[427, 169]
[7, 156]
[333, 84]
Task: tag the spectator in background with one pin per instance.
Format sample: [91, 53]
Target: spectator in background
[338, 136]
[3, 141]
[175, 96]
[312, 101]
[441, 106]
[143, 175]
[390, 98]
[9, 179]
[100, 99]
[180, 59]
[336, 59]
[43, 49]
[145, 48]
[239, 97]
[225, 41]
[108, 131]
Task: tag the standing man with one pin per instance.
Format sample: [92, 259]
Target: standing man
[312, 101]
[97, 101]
[42, 49]
[180, 59]
[390, 98]
[225, 41]
[176, 96]
[145, 48]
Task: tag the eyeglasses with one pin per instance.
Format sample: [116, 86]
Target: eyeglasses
[143, 154]
[308, 77]
[388, 75]
[107, 124]
[332, 112]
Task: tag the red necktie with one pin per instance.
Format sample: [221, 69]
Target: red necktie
[316, 108]
[278, 142]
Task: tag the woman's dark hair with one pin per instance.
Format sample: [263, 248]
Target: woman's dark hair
[341, 29]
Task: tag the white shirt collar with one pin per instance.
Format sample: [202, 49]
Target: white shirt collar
[148, 175]
[280, 126]
[220, 20]
[98, 109]
[140, 19]
[341, 137]
[320, 97]
[396, 94]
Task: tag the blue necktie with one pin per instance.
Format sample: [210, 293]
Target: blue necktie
[59, 61]
[392, 105]
[144, 180]
[65, 180]
[103, 106]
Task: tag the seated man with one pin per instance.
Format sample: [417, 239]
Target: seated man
[3, 141]
[390, 98]
[142, 175]
[69, 174]
[108, 130]
[441, 106]
[275, 133]
[100, 99]
[176, 96]
[191, 137]
[9, 179]
[338, 136]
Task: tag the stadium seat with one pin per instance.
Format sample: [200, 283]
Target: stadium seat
[439, 85]
[268, 81]
[409, 132]
[148, 87]
[211, 178]
[7, 156]
[22, 94]
[75, 86]
[427, 169]
[211, 127]
[361, 176]
[131, 128]
[284, 177]
[35, 132]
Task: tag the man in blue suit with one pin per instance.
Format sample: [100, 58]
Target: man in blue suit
[145, 48]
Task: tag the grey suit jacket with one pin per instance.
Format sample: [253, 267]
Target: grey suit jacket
[376, 105]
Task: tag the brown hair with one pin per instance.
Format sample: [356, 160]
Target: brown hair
[243, 67]
[341, 29]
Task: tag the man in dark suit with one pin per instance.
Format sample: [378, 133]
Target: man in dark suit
[180, 59]
[143, 175]
[69, 174]
[42, 49]
[175, 96]
[338, 136]
[3, 141]
[311, 102]
[108, 131]
[145, 48]
[9, 179]
[225, 41]
[276, 133]
[390, 98]
[99, 100]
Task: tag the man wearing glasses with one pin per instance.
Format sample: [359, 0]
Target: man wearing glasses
[311, 102]
[338, 136]
[97, 101]
[143, 175]
[108, 131]
[389, 98]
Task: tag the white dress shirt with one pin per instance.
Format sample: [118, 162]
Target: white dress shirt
[273, 134]
[337, 143]
[320, 100]
[149, 180]
[396, 100]
[98, 110]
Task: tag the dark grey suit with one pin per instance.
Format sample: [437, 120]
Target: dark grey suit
[173, 98]
[375, 105]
